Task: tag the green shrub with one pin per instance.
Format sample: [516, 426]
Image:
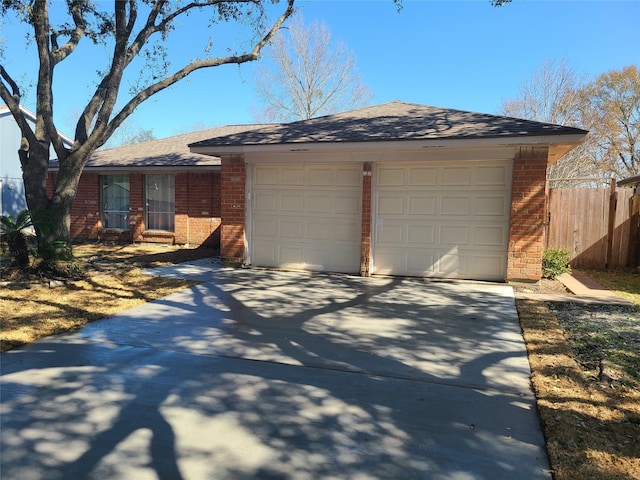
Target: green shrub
[13, 232]
[555, 261]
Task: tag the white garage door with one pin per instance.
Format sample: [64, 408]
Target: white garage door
[306, 216]
[440, 220]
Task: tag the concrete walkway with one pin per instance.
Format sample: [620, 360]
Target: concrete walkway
[274, 375]
[580, 289]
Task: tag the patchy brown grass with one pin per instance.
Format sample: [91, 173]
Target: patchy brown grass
[112, 283]
[592, 429]
[625, 283]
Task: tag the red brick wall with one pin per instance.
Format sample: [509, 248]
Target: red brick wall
[197, 210]
[232, 236]
[365, 245]
[526, 234]
[527, 213]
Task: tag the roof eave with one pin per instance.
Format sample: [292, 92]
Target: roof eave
[148, 168]
[560, 143]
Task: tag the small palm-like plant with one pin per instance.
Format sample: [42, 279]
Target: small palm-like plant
[13, 233]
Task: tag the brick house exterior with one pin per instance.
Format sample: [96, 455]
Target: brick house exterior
[196, 180]
[197, 211]
[377, 137]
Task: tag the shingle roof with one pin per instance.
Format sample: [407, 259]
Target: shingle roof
[390, 122]
[165, 152]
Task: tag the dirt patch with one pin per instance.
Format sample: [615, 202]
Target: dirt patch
[544, 286]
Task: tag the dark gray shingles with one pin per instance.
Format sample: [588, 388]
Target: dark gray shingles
[165, 152]
[390, 122]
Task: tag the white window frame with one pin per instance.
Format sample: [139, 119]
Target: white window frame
[121, 215]
[160, 212]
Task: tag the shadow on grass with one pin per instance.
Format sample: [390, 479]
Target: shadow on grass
[592, 430]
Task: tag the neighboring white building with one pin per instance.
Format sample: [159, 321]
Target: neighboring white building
[12, 199]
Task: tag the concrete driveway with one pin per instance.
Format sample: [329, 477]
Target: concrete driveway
[273, 375]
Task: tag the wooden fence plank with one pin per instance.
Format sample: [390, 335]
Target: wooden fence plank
[592, 225]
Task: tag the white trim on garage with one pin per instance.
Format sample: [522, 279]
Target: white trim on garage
[442, 219]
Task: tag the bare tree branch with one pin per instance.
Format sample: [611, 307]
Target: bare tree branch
[60, 53]
[254, 54]
[311, 75]
[128, 39]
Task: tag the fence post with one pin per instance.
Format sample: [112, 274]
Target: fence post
[633, 258]
[611, 222]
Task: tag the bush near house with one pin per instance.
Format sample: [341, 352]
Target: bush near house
[555, 261]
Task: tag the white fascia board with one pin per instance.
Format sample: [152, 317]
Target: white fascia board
[124, 169]
[541, 140]
[29, 115]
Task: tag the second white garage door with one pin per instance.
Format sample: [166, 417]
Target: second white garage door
[306, 216]
[442, 220]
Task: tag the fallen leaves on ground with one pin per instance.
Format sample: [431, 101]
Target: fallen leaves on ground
[592, 429]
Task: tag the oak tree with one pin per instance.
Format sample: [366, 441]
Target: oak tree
[131, 31]
[611, 111]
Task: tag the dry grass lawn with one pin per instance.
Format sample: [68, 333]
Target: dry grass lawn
[592, 428]
[113, 283]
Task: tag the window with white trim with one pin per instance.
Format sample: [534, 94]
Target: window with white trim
[160, 202]
[114, 201]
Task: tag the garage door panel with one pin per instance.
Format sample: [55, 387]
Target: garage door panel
[491, 267]
[454, 235]
[266, 227]
[454, 206]
[390, 232]
[291, 229]
[452, 264]
[320, 177]
[319, 203]
[345, 231]
[422, 205]
[456, 176]
[421, 234]
[453, 225]
[319, 229]
[390, 205]
[347, 204]
[489, 235]
[495, 176]
[289, 255]
[389, 177]
[266, 250]
[348, 177]
[292, 202]
[266, 202]
[314, 223]
[423, 176]
[389, 260]
[291, 176]
[328, 258]
[266, 176]
[491, 205]
[421, 262]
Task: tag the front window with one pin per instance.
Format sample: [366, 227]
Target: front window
[115, 201]
[160, 197]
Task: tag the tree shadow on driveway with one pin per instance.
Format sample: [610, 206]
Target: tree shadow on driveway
[259, 374]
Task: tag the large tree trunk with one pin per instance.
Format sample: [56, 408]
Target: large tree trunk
[56, 209]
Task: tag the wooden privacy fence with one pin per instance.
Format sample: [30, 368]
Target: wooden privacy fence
[599, 226]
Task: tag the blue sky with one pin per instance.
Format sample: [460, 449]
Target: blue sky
[467, 55]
